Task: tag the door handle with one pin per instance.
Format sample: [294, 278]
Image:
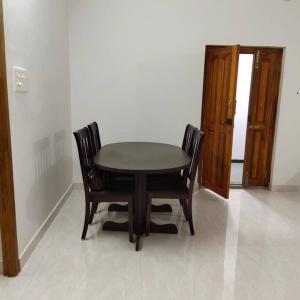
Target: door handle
[228, 122]
[254, 126]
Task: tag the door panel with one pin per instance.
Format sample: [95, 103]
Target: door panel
[218, 107]
[261, 117]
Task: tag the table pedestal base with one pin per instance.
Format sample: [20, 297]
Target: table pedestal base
[163, 208]
[114, 226]
[140, 195]
[154, 228]
[163, 228]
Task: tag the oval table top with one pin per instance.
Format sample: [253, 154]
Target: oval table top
[141, 157]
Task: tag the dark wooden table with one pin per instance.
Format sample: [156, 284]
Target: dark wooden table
[141, 159]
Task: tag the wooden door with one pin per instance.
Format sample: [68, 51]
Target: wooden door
[218, 109]
[262, 114]
[11, 264]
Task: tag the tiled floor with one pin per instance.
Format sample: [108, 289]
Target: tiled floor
[244, 248]
[236, 176]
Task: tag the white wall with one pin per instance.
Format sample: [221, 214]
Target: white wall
[137, 66]
[242, 104]
[36, 38]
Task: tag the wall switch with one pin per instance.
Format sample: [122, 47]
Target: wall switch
[20, 80]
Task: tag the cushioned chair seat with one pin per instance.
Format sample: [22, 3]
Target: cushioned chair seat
[95, 180]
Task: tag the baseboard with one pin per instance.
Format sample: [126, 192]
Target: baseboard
[26, 253]
[284, 188]
[78, 186]
[1, 267]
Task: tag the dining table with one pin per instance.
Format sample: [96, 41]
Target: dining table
[139, 160]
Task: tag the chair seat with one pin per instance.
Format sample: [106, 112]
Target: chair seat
[117, 187]
[109, 178]
[173, 184]
[98, 182]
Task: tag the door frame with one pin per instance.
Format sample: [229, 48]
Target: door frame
[253, 50]
[11, 263]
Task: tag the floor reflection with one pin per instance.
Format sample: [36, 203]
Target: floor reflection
[231, 249]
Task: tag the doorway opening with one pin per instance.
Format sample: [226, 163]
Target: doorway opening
[241, 118]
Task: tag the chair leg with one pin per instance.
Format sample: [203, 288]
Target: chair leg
[190, 216]
[86, 220]
[130, 221]
[148, 215]
[93, 211]
[183, 203]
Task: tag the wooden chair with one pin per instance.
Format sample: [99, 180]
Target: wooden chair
[187, 138]
[177, 187]
[96, 147]
[96, 191]
[95, 137]
[186, 145]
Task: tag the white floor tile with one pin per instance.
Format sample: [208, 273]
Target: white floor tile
[245, 248]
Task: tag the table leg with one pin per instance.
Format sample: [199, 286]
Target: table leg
[138, 242]
[140, 203]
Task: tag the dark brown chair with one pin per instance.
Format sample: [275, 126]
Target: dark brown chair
[95, 137]
[187, 138]
[96, 191]
[177, 187]
[96, 147]
[186, 145]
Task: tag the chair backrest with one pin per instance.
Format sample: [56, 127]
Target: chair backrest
[187, 139]
[95, 137]
[196, 145]
[85, 153]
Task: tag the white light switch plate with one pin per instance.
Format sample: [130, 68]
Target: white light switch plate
[20, 80]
